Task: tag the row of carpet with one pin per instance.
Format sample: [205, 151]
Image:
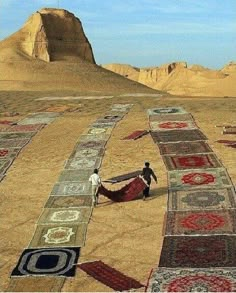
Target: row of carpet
[15, 135]
[61, 229]
[199, 246]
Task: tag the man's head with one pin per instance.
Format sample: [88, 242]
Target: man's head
[95, 171]
[147, 164]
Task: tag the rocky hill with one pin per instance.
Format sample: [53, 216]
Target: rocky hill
[178, 79]
[52, 52]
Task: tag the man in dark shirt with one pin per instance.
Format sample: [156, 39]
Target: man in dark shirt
[147, 173]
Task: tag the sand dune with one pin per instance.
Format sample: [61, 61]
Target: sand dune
[51, 52]
[179, 79]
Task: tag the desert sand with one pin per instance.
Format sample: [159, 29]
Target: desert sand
[127, 236]
[178, 79]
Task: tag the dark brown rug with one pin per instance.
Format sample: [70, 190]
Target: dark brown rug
[177, 135]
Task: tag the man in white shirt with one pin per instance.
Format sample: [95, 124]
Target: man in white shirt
[96, 182]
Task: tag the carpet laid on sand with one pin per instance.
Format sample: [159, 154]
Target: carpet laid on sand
[109, 276]
[193, 280]
[36, 284]
[198, 252]
[62, 227]
[136, 134]
[200, 221]
[202, 199]
[196, 161]
[184, 148]
[177, 135]
[172, 125]
[45, 262]
[126, 193]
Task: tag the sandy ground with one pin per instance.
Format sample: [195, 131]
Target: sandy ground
[126, 236]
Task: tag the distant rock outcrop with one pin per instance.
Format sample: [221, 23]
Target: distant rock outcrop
[178, 79]
[124, 70]
[54, 34]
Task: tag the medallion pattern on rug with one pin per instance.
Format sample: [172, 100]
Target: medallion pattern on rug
[7, 154]
[198, 252]
[202, 199]
[177, 135]
[65, 215]
[55, 202]
[75, 175]
[201, 222]
[83, 163]
[171, 117]
[53, 235]
[45, 262]
[172, 125]
[184, 148]
[209, 178]
[193, 280]
[166, 110]
[17, 135]
[196, 161]
[72, 188]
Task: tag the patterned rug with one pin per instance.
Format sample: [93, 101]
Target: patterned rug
[30, 121]
[65, 215]
[103, 125]
[55, 202]
[184, 148]
[229, 130]
[172, 125]
[45, 262]
[98, 131]
[72, 188]
[83, 163]
[129, 192]
[202, 199]
[171, 117]
[136, 134]
[87, 153]
[121, 107]
[196, 161]
[209, 178]
[59, 235]
[36, 284]
[201, 222]
[6, 122]
[94, 137]
[94, 144]
[198, 252]
[109, 119]
[7, 154]
[177, 135]
[25, 128]
[39, 115]
[75, 175]
[166, 110]
[193, 280]
[109, 276]
[14, 143]
[226, 141]
[232, 146]
[4, 165]
[17, 135]
[123, 177]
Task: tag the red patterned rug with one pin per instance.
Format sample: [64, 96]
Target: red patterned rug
[226, 141]
[136, 134]
[126, 193]
[196, 161]
[109, 276]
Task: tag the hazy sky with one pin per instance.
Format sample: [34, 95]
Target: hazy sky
[144, 32]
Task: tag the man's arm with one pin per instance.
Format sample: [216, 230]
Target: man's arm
[154, 176]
